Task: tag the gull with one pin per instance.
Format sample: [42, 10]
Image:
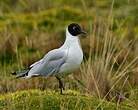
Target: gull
[58, 62]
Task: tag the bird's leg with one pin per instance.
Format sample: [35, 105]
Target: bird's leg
[61, 85]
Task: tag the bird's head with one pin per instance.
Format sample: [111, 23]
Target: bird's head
[74, 29]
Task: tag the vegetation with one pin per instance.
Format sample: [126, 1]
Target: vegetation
[50, 100]
[108, 77]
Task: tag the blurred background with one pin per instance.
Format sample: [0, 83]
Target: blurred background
[30, 28]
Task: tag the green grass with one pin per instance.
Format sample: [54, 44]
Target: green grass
[50, 100]
[42, 20]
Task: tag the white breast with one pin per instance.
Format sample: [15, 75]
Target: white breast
[74, 58]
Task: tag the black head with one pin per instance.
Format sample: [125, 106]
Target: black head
[75, 29]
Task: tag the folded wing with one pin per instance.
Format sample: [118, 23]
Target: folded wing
[49, 65]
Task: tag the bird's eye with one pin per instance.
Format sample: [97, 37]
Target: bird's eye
[74, 27]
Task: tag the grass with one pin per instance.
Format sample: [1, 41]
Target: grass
[50, 100]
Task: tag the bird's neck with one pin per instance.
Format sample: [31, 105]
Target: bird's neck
[71, 40]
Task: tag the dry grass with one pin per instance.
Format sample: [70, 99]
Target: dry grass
[108, 70]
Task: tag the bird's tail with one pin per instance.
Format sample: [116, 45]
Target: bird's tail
[21, 74]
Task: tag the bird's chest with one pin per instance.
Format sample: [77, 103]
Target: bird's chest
[76, 56]
[74, 59]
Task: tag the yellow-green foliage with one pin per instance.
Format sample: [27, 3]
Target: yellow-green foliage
[43, 19]
[51, 100]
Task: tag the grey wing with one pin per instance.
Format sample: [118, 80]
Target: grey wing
[36, 63]
[50, 64]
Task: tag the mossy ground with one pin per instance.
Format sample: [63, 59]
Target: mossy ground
[51, 100]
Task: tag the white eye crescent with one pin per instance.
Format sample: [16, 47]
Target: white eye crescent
[74, 27]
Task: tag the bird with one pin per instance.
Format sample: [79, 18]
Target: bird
[61, 61]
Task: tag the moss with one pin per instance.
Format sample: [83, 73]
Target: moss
[51, 100]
